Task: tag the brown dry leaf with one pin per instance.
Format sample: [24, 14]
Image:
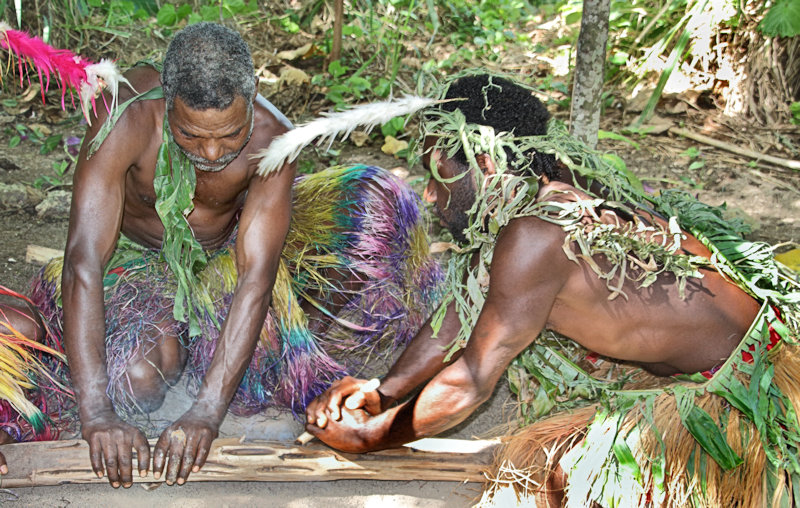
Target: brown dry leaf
[393, 145]
[439, 247]
[31, 93]
[359, 138]
[41, 129]
[291, 54]
[293, 77]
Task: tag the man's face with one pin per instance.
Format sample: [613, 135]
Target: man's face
[452, 200]
[211, 138]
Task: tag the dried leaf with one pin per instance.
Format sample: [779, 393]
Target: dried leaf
[292, 54]
[393, 145]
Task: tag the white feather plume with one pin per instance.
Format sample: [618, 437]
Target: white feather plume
[288, 146]
[103, 74]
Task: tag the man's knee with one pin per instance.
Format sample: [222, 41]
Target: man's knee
[17, 316]
[147, 384]
[150, 375]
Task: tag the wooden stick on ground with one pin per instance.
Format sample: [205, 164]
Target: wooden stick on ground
[38, 255]
[736, 149]
[58, 462]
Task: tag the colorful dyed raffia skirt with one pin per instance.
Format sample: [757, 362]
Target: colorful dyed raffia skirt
[355, 281]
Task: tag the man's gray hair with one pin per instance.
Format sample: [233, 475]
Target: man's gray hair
[207, 66]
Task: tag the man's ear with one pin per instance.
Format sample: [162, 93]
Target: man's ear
[430, 193]
[486, 164]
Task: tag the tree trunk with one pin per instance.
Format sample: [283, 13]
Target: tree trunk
[338, 21]
[589, 74]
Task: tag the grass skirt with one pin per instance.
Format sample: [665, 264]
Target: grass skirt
[729, 441]
[357, 237]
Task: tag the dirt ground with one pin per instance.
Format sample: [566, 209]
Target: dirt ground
[766, 196]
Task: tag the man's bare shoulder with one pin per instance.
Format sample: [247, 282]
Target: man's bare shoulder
[269, 123]
[530, 238]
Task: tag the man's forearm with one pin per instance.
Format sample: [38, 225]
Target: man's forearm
[422, 359]
[234, 350]
[84, 341]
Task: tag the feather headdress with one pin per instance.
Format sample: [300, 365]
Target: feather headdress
[286, 147]
[71, 71]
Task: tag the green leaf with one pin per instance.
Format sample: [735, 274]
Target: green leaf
[619, 58]
[393, 126]
[625, 458]
[384, 87]
[14, 141]
[211, 13]
[183, 11]
[601, 134]
[783, 19]
[691, 152]
[697, 165]
[336, 68]
[352, 30]
[167, 16]
[709, 436]
[50, 144]
[358, 85]
[619, 165]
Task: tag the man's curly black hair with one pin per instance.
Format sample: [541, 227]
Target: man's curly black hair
[504, 106]
[207, 66]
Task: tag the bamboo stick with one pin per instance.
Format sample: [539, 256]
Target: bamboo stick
[791, 164]
[59, 462]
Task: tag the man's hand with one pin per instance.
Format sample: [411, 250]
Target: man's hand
[351, 432]
[110, 442]
[3, 466]
[183, 447]
[350, 392]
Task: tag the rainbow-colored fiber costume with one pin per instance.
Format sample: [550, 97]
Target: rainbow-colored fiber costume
[29, 373]
[357, 223]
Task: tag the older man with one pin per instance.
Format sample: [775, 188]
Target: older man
[181, 256]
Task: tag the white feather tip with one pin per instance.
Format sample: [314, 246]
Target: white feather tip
[325, 129]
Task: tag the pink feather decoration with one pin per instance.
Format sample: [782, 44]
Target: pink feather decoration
[73, 72]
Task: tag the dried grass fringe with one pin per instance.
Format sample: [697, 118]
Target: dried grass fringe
[532, 454]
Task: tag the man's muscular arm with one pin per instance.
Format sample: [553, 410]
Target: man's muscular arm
[184, 446]
[528, 272]
[95, 218]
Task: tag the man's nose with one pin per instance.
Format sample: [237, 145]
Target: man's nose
[430, 191]
[211, 150]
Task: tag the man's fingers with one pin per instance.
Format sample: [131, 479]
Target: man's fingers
[125, 462]
[372, 404]
[96, 458]
[202, 454]
[187, 461]
[142, 453]
[3, 465]
[355, 401]
[333, 406]
[174, 463]
[159, 454]
[177, 443]
[112, 465]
